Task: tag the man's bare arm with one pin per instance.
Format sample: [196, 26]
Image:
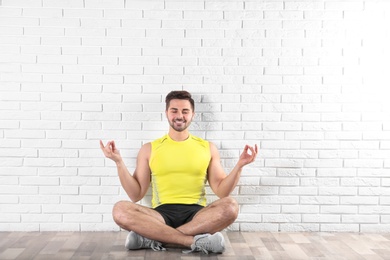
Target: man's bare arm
[223, 184]
[135, 185]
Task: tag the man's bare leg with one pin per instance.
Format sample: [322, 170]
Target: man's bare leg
[148, 223]
[213, 218]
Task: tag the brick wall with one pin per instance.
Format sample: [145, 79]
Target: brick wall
[305, 80]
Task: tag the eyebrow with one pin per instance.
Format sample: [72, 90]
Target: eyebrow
[184, 109]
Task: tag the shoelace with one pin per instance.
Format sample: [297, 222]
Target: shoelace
[197, 248]
[157, 246]
[148, 243]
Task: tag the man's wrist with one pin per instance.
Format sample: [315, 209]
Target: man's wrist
[239, 166]
[119, 163]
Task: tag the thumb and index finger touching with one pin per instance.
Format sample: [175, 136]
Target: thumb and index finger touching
[109, 144]
[109, 148]
[252, 151]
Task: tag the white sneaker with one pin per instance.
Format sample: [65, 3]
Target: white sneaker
[135, 241]
[207, 243]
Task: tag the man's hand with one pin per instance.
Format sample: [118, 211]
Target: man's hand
[110, 151]
[247, 157]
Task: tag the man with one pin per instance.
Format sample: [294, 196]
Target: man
[178, 165]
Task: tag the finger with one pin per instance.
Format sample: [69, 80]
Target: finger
[101, 145]
[109, 147]
[253, 154]
[114, 148]
[113, 145]
[105, 149]
[254, 150]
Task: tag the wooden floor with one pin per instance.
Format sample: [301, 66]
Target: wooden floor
[239, 245]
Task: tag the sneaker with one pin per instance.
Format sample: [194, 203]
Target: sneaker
[207, 243]
[135, 241]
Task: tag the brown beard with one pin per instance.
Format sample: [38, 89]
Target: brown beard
[172, 124]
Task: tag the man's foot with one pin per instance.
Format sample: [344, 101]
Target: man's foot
[209, 243]
[135, 241]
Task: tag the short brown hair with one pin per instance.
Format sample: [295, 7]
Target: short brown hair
[179, 94]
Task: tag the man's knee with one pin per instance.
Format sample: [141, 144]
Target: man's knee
[230, 208]
[234, 208]
[121, 212]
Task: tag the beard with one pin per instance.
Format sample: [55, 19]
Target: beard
[179, 125]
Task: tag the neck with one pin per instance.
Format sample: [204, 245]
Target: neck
[178, 136]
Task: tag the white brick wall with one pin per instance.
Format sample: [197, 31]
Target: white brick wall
[305, 80]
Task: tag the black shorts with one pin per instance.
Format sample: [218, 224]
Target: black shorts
[176, 215]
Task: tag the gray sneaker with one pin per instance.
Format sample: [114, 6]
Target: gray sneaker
[135, 241]
[207, 243]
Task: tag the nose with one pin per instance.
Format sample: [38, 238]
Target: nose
[179, 115]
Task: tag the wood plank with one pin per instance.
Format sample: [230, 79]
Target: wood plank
[239, 245]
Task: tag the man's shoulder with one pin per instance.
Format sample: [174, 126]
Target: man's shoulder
[200, 141]
[197, 138]
[159, 140]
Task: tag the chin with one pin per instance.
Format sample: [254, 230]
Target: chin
[179, 129]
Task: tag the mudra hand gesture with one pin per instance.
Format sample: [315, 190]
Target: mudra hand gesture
[110, 151]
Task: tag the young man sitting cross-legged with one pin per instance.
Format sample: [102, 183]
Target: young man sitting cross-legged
[178, 165]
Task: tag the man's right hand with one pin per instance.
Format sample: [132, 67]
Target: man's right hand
[110, 151]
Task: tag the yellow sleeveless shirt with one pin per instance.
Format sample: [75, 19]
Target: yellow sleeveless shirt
[179, 170]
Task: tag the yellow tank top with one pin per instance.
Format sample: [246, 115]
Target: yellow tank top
[179, 171]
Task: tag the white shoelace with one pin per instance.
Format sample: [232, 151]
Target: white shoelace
[157, 246]
[197, 248]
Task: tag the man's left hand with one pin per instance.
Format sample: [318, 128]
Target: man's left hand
[248, 155]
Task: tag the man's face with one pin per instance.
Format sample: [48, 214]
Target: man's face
[179, 114]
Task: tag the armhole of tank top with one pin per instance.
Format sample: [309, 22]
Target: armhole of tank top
[209, 146]
[151, 154]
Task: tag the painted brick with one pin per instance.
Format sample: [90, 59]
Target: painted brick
[256, 227]
[339, 227]
[307, 209]
[299, 227]
[317, 218]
